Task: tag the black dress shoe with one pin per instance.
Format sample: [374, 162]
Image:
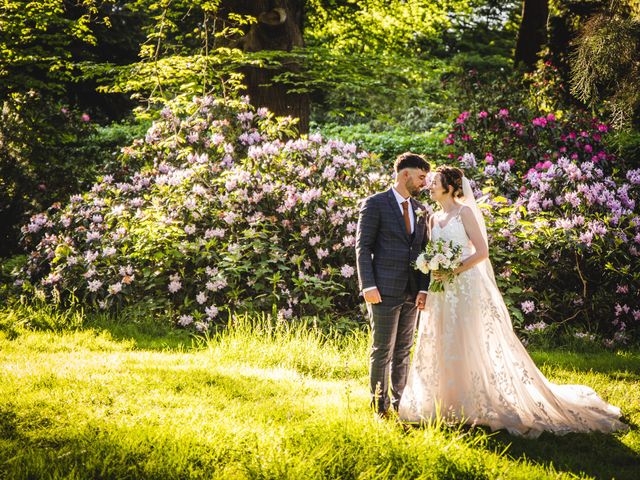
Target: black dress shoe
[384, 415]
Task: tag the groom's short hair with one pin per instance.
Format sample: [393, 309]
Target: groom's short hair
[411, 160]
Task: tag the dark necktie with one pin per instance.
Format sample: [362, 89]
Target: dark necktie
[405, 214]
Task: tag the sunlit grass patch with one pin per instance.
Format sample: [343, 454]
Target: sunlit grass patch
[261, 400]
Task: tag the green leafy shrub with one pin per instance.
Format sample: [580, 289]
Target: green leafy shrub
[41, 159]
[563, 217]
[233, 210]
[387, 144]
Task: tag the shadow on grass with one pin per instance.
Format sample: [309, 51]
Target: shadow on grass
[134, 443]
[619, 365]
[146, 334]
[596, 454]
[142, 328]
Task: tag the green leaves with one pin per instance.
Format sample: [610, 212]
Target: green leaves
[227, 212]
[36, 41]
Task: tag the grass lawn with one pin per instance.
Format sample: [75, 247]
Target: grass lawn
[112, 400]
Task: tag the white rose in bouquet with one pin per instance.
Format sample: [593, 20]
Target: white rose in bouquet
[439, 256]
[422, 263]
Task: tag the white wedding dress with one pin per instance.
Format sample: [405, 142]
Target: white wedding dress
[469, 365]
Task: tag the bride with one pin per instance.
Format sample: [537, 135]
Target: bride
[468, 363]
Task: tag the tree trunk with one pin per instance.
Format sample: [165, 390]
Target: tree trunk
[532, 34]
[278, 27]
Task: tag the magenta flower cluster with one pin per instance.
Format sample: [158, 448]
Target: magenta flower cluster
[564, 215]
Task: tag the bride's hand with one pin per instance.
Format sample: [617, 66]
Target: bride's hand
[440, 276]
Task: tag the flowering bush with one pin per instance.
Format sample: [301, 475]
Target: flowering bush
[502, 144]
[231, 210]
[563, 217]
[388, 143]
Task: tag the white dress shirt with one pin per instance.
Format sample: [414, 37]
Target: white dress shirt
[400, 199]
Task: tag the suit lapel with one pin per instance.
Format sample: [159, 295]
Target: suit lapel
[396, 212]
[419, 220]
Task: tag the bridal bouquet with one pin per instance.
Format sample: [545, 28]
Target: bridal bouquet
[439, 256]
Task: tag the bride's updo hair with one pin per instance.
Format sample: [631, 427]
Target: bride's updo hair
[451, 179]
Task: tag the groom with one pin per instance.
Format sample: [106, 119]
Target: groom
[391, 234]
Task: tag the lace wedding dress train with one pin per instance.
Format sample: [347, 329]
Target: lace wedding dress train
[469, 365]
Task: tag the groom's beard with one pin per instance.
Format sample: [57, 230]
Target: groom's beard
[413, 190]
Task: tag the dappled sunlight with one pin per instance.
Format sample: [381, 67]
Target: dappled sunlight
[178, 384]
[68, 341]
[252, 395]
[189, 231]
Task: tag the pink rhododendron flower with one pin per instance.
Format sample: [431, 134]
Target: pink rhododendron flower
[174, 286]
[528, 306]
[622, 289]
[201, 297]
[347, 271]
[462, 117]
[115, 288]
[539, 122]
[534, 327]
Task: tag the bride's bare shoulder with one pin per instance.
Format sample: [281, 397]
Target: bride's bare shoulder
[465, 210]
[466, 214]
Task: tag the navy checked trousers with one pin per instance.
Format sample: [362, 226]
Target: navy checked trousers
[393, 324]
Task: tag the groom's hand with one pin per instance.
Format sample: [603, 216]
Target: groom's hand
[372, 296]
[421, 300]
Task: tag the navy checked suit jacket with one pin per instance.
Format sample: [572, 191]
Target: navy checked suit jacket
[385, 252]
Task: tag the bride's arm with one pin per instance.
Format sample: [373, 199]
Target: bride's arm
[475, 235]
[430, 225]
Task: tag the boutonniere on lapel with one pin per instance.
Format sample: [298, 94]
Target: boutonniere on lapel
[420, 213]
